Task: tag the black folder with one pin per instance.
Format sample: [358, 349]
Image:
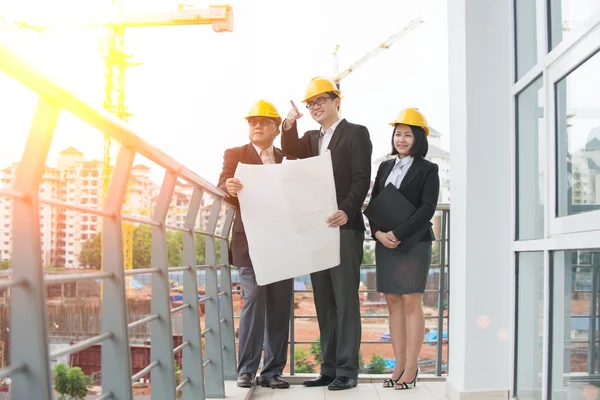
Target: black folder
[389, 209]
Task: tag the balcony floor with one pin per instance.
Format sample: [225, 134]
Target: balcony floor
[364, 391]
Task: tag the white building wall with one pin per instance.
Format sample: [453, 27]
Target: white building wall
[5, 216]
[49, 188]
[83, 181]
[480, 57]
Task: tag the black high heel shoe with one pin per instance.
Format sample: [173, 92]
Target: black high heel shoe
[390, 383]
[407, 385]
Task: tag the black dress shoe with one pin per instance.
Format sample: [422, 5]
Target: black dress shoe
[275, 382]
[343, 383]
[245, 380]
[322, 380]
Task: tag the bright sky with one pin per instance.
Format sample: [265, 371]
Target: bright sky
[195, 86]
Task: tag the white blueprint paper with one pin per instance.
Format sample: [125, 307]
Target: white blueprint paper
[284, 209]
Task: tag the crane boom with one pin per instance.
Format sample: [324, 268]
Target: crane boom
[117, 61]
[383, 46]
[219, 16]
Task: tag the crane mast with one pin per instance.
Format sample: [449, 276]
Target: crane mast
[116, 63]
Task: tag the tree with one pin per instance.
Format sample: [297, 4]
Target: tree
[201, 250]
[315, 351]
[175, 248]
[71, 383]
[435, 254]
[91, 252]
[178, 374]
[60, 379]
[377, 365]
[368, 257]
[142, 246]
[301, 364]
[4, 264]
[78, 383]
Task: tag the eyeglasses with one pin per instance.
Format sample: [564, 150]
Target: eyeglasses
[260, 121]
[318, 102]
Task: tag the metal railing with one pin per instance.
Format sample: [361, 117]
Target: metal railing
[441, 228]
[30, 358]
[442, 291]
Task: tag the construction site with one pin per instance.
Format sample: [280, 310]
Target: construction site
[128, 128]
[74, 314]
[74, 310]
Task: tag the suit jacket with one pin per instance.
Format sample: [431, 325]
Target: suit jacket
[420, 186]
[247, 154]
[351, 150]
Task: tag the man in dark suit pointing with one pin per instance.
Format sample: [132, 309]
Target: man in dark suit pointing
[265, 315]
[336, 289]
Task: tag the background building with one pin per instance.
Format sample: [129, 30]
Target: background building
[49, 216]
[79, 181]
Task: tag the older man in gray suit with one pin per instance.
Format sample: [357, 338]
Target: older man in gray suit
[265, 315]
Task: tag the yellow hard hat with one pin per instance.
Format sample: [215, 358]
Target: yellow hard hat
[318, 86]
[264, 108]
[412, 116]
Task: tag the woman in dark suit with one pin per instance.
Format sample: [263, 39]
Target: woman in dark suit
[402, 273]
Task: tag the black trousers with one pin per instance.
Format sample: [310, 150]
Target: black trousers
[338, 308]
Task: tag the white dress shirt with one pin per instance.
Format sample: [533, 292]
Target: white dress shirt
[325, 137]
[399, 171]
[267, 156]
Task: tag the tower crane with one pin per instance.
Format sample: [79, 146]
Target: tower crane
[117, 61]
[338, 76]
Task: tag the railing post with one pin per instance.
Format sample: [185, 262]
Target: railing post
[227, 325]
[116, 357]
[215, 385]
[593, 318]
[192, 354]
[448, 243]
[293, 335]
[163, 376]
[441, 296]
[29, 335]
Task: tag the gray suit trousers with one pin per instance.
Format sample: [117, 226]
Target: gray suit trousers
[264, 320]
[338, 308]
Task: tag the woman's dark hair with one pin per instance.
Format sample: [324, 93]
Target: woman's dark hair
[420, 145]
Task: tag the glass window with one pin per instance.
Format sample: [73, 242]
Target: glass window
[578, 139]
[567, 17]
[525, 36]
[530, 162]
[575, 351]
[530, 325]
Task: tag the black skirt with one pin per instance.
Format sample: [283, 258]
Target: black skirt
[399, 273]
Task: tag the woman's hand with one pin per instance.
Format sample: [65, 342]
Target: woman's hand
[390, 235]
[384, 239]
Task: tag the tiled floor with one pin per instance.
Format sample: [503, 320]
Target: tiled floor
[232, 392]
[364, 391]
